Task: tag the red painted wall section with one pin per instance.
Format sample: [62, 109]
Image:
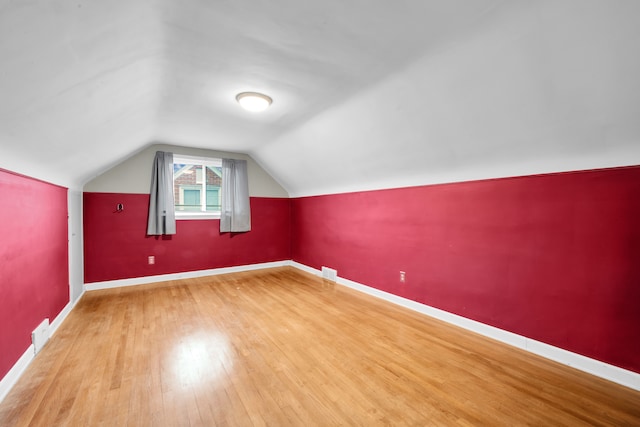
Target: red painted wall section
[34, 264]
[553, 257]
[116, 245]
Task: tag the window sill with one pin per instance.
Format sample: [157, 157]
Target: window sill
[197, 215]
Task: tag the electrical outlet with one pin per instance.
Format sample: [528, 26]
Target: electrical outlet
[152, 259]
[402, 277]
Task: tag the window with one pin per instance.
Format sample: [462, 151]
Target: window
[196, 187]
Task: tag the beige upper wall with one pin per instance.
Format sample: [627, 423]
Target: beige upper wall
[134, 174]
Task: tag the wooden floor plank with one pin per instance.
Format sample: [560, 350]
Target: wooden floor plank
[281, 347]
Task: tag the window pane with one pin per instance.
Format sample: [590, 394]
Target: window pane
[214, 181]
[213, 198]
[191, 200]
[186, 191]
[197, 187]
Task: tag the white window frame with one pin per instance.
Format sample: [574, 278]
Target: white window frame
[204, 161]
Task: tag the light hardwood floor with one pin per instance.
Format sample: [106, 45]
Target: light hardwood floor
[280, 347]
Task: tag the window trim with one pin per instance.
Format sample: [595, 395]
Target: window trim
[204, 161]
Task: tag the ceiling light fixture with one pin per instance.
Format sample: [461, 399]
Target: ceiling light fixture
[253, 101]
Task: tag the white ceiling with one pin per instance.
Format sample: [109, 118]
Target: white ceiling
[367, 94]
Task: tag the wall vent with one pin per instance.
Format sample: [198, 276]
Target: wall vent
[329, 274]
[40, 335]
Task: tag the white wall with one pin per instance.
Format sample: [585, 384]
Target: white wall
[535, 87]
[133, 175]
[76, 257]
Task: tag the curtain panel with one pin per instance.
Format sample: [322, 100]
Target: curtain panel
[235, 212]
[162, 218]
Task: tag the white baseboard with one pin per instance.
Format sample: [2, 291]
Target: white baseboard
[63, 315]
[595, 367]
[16, 371]
[586, 364]
[305, 268]
[21, 365]
[185, 275]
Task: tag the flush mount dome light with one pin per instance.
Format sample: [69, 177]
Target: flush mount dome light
[253, 101]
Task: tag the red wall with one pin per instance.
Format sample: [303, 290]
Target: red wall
[34, 264]
[555, 257]
[116, 245]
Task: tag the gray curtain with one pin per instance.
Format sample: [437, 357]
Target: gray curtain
[162, 216]
[235, 213]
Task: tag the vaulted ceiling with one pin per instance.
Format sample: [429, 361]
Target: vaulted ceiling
[367, 94]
